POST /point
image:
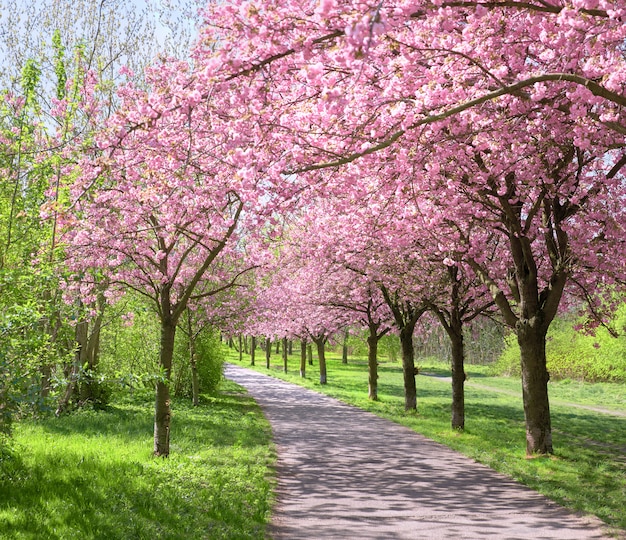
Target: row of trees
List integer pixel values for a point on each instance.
(319, 163)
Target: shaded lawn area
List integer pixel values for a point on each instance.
(91, 474)
(587, 473)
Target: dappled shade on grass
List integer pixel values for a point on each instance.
(91, 474)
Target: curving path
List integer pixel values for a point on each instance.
(344, 473)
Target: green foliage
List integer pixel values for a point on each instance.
(572, 354)
(389, 347)
(91, 474)
(59, 64)
(209, 361)
(509, 363)
(25, 350)
(129, 349)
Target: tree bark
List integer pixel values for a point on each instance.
(195, 382)
(268, 352)
(321, 356)
(408, 367)
(531, 336)
(303, 358)
(88, 387)
(310, 354)
(252, 350)
(162, 407)
(344, 348)
(372, 365)
(240, 348)
(285, 351)
(290, 346)
(278, 347)
(458, 377)
(81, 336)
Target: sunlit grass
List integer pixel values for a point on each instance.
(92, 475)
(588, 470)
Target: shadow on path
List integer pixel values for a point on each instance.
(344, 473)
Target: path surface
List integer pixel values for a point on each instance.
(344, 473)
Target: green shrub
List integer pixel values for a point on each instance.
(572, 354)
(129, 353)
(508, 363)
(209, 362)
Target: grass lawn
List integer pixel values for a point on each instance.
(587, 472)
(91, 474)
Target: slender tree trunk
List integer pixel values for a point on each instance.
(372, 365)
(51, 328)
(88, 387)
(458, 377)
(278, 347)
(240, 348)
(245, 345)
(195, 382)
(231, 343)
(408, 367)
(303, 358)
(252, 349)
(285, 351)
(268, 352)
(344, 348)
(162, 407)
(290, 346)
(81, 336)
(531, 336)
(309, 349)
(321, 356)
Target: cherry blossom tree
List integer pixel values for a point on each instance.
(356, 85)
(158, 208)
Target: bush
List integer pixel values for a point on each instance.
(575, 355)
(209, 362)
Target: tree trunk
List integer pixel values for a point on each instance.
(285, 351)
(195, 382)
(268, 352)
(321, 356)
(89, 386)
(344, 348)
(278, 347)
(162, 407)
(290, 346)
(531, 336)
(372, 365)
(309, 349)
(408, 367)
(303, 358)
(240, 348)
(252, 349)
(458, 378)
(80, 356)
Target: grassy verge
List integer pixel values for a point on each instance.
(91, 474)
(587, 473)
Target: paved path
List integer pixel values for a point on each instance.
(344, 473)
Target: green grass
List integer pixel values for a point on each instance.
(587, 472)
(91, 475)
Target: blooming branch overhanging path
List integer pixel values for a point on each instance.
(344, 473)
